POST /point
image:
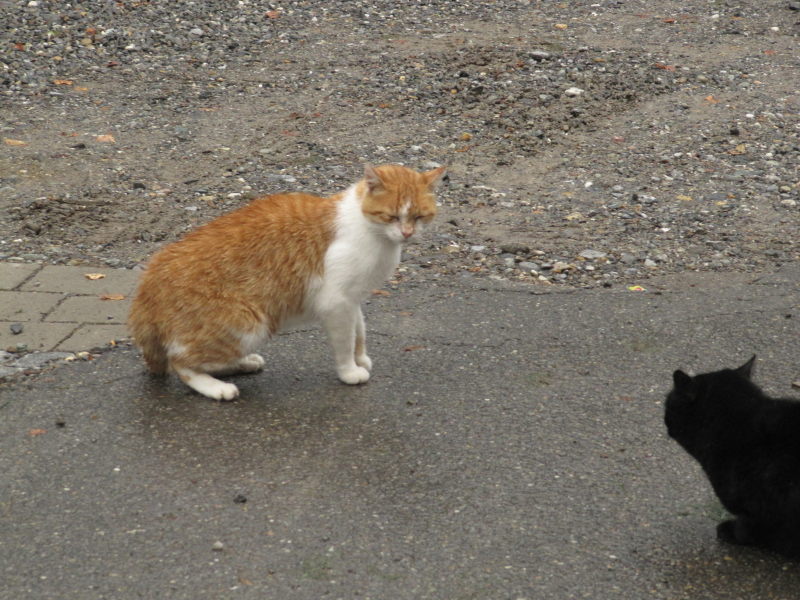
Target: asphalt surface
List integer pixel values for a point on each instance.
(510, 445)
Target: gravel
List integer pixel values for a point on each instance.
(587, 143)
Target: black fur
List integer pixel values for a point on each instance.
(749, 446)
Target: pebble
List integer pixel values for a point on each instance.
(37, 360)
(573, 92)
(16, 328)
(515, 248)
(592, 254)
(217, 546)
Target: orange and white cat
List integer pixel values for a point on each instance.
(206, 302)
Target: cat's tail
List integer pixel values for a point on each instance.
(148, 338)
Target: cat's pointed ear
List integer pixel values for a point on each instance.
(681, 380)
(746, 370)
(374, 181)
(434, 176)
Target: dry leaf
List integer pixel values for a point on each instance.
(19, 46)
(665, 67)
(381, 293)
(10, 142)
(35, 432)
(112, 297)
(62, 81)
(683, 198)
(108, 138)
(668, 20)
(94, 276)
(740, 149)
(710, 98)
(272, 14)
(560, 25)
(412, 348)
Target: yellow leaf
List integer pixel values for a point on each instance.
(62, 81)
(112, 297)
(740, 149)
(94, 276)
(560, 25)
(10, 142)
(108, 138)
(381, 293)
(683, 198)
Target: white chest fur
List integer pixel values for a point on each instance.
(360, 258)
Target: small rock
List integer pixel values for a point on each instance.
(539, 55)
(528, 267)
(592, 254)
(560, 267)
(240, 498)
(515, 248)
(16, 328)
(196, 31)
(217, 546)
(477, 248)
(573, 92)
(649, 263)
(37, 360)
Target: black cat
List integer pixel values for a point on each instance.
(749, 446)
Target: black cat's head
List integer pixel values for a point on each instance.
(694, 401)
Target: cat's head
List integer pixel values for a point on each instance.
(694, 401)
(398, 201)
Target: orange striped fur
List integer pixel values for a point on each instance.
(206, 302)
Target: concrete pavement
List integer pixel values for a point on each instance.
(60, 310)
(510, 445)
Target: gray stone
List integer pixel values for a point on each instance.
(528, 266)
(515, 248)
(37, 360)
(592, 254)
(7, 372)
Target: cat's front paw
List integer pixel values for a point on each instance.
(364, 361)
(353, 375)
(219, 390)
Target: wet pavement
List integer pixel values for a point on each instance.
(509, 445)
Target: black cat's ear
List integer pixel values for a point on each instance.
(746, 370)
(372, 178)
(681, 380)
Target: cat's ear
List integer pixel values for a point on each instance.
(746, 370)
(434, 176)
(681, 380)
(374, 181)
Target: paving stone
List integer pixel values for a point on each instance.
(90, 309)
(12, 274)
(36, 336)
(73, 280)
(26, 306)
(92, 336)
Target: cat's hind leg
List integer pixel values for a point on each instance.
(207, 385)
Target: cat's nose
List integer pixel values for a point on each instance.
(407, 234)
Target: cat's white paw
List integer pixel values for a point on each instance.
(353, 375)
(251, 363)
(221, 391)
(364, 361)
